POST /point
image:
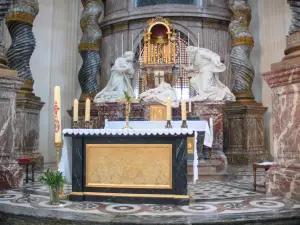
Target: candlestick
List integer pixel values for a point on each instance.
(183, 109)
(57, 114)
(168, 125)
(169, 109)
(190, 107)
(87, 110)
(75, 110)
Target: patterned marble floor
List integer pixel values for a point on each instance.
(228, 201)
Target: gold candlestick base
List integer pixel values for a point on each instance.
(75, 125)
(184, 124)
(88, 125)
(168, 125)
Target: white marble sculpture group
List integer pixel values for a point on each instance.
(204, 65)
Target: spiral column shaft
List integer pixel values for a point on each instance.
(19, 22)
(243, 42)
(89, 48)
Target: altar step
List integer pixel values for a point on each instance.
(208, 170)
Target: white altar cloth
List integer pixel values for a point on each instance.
(146, 128)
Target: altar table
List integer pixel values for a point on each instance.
(129, 165)
(77, 146)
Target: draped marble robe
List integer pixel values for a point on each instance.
(204, 63)
(119, 81)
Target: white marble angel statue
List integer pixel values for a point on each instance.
(160, 95)
(119, 81)
(204, 63)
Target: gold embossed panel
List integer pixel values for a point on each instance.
(158, 112)
(129, 165)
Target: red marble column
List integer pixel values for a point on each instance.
(283, 179)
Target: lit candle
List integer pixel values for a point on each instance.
(190, 107)
(75, 110)
(57, 114)
(87, 109)
(183, 109)
(169, 109)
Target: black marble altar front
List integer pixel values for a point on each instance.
(80, 192)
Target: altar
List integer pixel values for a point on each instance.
(139, 165)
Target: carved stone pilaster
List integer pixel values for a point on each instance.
(242, 45)
(89, 48)
(4, 6)
(10, 171)
(20, 22)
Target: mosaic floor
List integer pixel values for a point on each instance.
(229, 200)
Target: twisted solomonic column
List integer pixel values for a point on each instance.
(19, 22)
(4, 6)
(89, 48)
(295, 6)
(292, 51)
(242, 45)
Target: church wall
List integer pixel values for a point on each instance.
(54, 62)
(269, 26)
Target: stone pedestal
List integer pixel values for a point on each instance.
(10, 171)
(27, 126)
(245, 140)
(283, 179)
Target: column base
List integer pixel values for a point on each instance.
(244, 133)
(27, 126)
(284, 180)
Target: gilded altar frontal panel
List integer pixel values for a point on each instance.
(129, 166)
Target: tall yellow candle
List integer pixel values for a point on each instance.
(75, 110)
(169, 109)
(87, 109)
(183, 109)
(57, 114)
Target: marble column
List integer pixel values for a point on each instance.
(89, 48)
(244, 126)
(19, 22)
(283, 178)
